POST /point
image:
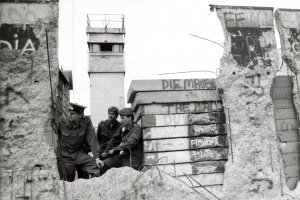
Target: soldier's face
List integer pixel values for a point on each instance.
(126, 121)
(112, 116)
(74, 116)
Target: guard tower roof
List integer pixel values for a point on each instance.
(105, 23)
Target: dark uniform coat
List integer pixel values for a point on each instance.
(70, 150)
(105, 132)
(128, 142)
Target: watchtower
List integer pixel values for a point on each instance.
(106, 40)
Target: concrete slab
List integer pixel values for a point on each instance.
(169, 85)
(193, 168)
(184, 131)
(184, 143)
(290, 147)
(288, 136)
(177, 108)
(186, 156)
(183, 119)
(286, 124)
(174, 97)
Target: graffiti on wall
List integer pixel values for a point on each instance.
(294, 40)
(247, 48)
(10, 91)
(193, 107)
(15, 37)
(184, 84)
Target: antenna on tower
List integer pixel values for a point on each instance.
(106, 22)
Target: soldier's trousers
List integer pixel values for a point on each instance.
(121, 160)
(84, 165)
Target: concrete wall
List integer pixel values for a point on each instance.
(28, 164)
(107, 89)
(288, 25)
(109, 38)
(183, 129)
(248, 69)
(106, 62)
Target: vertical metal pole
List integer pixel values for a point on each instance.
(24, 185)
(12, 185)
(280, 171)
(49, 67)
(230, 139)
(271, 157)
(31, 185)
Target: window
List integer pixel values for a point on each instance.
(106, 47)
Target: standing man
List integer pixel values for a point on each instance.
(126, 144)
(106, 129)
(73, 134)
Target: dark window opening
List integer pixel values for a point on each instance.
(106, 47)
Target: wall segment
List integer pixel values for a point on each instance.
(28, 164)
(248, 67)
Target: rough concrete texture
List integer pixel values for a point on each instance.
(247, 70)
(288, 26)
(128, 184)
(28, 164)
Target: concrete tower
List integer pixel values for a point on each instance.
(105, 38)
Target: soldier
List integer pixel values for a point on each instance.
(106, 129)
(126, 144)
(73, 134)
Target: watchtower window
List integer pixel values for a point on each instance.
(106, 47)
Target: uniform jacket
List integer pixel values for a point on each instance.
(73, 138)
(105, 132)
(125, 139)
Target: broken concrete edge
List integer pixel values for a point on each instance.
(240, 81)
(28, 105)
(286, 22)
(152, 85)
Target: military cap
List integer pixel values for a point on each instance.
(76, 108)
(125, 112)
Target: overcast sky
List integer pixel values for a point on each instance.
(157, 38)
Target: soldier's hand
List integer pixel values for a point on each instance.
(111, 152)
(99, 163)
(104, 154)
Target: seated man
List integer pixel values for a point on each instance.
(126, 144)
(73, 134)
(106, 129)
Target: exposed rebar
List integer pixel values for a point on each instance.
(230, 138)
(203, 187)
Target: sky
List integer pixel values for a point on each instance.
(157, 39)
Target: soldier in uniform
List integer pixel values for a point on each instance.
(73, 134)
(106, 129)
(126, 144)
